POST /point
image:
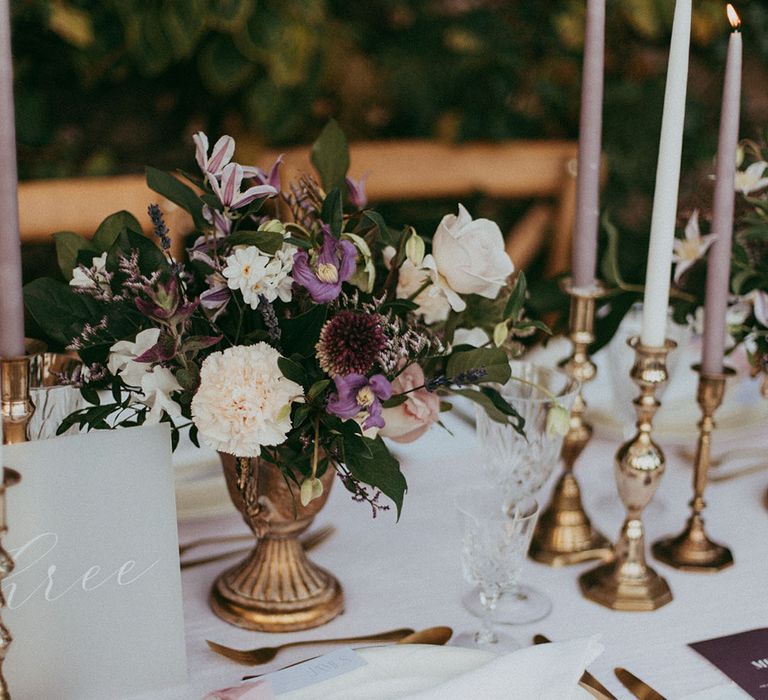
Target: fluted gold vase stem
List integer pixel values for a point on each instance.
(564, 534)
(692, 550)
(628, 583)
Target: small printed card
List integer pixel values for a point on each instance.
(94, 603)
(743, 657)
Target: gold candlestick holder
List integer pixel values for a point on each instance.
(692, 550)
(628, 583)
(16, 406)
(564, 534)
(10, 477)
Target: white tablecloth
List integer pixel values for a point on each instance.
(408, 573)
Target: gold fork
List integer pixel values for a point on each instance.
(309, 542)
(263, 655)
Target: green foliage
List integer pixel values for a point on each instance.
(330, 156)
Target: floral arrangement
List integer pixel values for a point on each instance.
(302, 329)
(747, 315)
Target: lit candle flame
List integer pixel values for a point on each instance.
(733, 16)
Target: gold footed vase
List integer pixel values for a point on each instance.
(628, 583)
(564, 534)
(692, 550)
(276, 588)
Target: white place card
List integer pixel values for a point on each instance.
(323, 668)
(94, 604)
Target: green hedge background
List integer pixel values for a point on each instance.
(107, 87)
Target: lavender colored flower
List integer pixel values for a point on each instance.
(158, 225)
(228, 192)
(272, 178)
(357, 394)
(217, 296)
(323, 273)
(356, 191)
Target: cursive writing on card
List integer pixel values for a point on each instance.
(35, 558)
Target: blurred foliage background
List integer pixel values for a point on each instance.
(109, 86)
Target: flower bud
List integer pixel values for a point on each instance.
(558, 421)
(415, 249)
(273, 226)
(311, 488)
(500, 334)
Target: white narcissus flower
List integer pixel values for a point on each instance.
(94, 277)
(758, 300)
(257, 275)
(469, 255)
(694, 246)
(244, 400)
(751, 180)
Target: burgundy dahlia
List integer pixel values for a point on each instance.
(350, 343)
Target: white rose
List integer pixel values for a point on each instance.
(470, 254)
(470, 336)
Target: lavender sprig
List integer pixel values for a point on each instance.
(159, 228)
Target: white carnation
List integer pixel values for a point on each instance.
(244, 400)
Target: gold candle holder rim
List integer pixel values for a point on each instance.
(726, 374)
(637, 345)
(596, 290)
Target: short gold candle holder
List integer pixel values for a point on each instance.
(564, 534)
(10, 477)
(692, 550)
(16, 406)
(628, 583)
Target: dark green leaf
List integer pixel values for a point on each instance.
(384, 234)
(332, 212)
(493, 360)
(301, 333)
(318, 388)
(330, 156)
(396, 400)
(167, 185)
(267, 241)
(111, 227)
(291, 370)
(151, 258)
(68, 245)
(516, 300)
(382, 471)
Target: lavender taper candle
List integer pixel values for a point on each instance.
(584, 254)
(11, 302)
(719, 259)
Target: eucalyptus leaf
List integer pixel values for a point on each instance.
(112, 227)
(171, 188)
(68, 246)
(268, 241)
(291, 370)
(382, 471)
(516, 300)
(493, 360)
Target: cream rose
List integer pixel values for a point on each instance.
(411, 419)
(470, 255)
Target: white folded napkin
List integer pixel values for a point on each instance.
(728, 691)
(541, 672)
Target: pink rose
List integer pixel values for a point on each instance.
(410, 420)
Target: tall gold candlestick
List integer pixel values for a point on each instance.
(564, 534)
(628, 583)
(692, 550)
(10, 477)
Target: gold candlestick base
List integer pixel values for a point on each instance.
(692, 550)
(628, 583)
(564, 534)
(16, 407)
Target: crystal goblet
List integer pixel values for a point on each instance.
(519, 465)
(496, 534)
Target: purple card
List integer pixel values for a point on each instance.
(742, 657)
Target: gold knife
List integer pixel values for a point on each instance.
(640, 689)
(587, 681)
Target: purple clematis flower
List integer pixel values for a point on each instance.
(323, 274)
(357, 394)
(222, 153)
(217, 296)
(229, 193)
(272, 178)
(356, 191)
